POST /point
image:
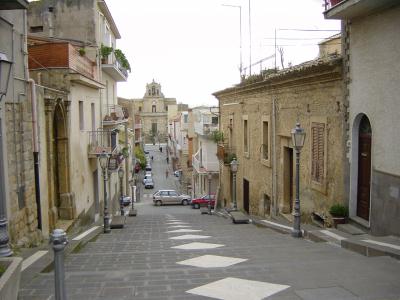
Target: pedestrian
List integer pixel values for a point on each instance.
(167, 159)
(152, 158)
(166, 173)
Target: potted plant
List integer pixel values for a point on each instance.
(120, 56)
(105, 51)
(217, 136)
(125, 152)
(82, 51)
(339, 213)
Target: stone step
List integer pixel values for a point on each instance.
(239, 218)
(117, 222)
(350, 229)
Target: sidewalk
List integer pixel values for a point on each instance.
(348, 237)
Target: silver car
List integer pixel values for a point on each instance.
(170, 197)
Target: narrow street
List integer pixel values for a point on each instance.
(174, 252)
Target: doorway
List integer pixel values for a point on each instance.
(246, 192)
(287, 180)
(364, 168)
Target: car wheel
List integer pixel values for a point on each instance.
(158, 203)
(184, 202)
(196, 206)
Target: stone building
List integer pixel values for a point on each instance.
(153, 111)
(257, 117)
(19, 204)
(82, 118)
(370, 31)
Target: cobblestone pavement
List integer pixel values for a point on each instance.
(248, 262)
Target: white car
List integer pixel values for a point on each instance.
(147, 176)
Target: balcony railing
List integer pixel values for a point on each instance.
(205, 129)
(61, 55)
(204, 166)
(113, 67)
(331, 3)
(115, 114)
(99, 141)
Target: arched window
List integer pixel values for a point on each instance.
(153, 108)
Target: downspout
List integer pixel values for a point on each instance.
(274, 164)
(35, 149)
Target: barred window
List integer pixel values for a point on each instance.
(317, 151)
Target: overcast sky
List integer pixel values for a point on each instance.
(192, 47)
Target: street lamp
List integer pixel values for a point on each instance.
(209, 176)
(121, 198)
(5, 70)
(234, 168)
(104, 160)
(132, 212)
(298, 137)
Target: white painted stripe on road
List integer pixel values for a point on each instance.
(333, 235)
(31, 259)
(177, 223)
(277, 224)
(184, 230)
(382, 244)
(82, 235)
(212, 261)
(198, 246)
(189, 237)
(179, 226)
(231, 288)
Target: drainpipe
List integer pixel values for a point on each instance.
(35, 149)
(274, 164)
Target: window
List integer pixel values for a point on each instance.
(265, 140)
(317, 151)
(93, 111)
(140, 108)
(245, 136)
(173, 194)
(81, 120)
(214, 120)
(153, 108)
(35, 29)
(185, 118)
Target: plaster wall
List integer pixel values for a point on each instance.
(374, 91)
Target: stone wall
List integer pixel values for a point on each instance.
(305, 94)
(23, 210)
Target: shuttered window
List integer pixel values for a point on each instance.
(317, 151)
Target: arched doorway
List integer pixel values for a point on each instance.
(364, 168)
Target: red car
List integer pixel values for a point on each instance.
(203, 201)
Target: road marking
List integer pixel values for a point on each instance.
(212, 261)
(177, 223)
(333, 235)
(184, 230)
(238, 289)
(382, 244)
(180, 226)
(82, 235)
(197, 246)
(189, 237)
(31, 259)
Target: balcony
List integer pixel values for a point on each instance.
(64, 55)
(204, 166)
(205, 129)
(112, 66)
(348, 9)
(226, 153)
(115, 115)
(99, 141)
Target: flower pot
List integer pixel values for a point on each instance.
(339, 220)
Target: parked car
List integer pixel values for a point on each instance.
(177, 173)
(170, 197)
(148, 167)
(203, 201)
(148, 183)
(146, 151)
(146, 176)
(126, 200)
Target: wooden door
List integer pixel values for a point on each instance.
(364, 169)
(246, 195)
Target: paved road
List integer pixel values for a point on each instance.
(248, 262)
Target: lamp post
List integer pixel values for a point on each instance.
(234, 168)
(5, 71)
(298, 137)
(121, 198)
(104, 160)
(209, 176)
